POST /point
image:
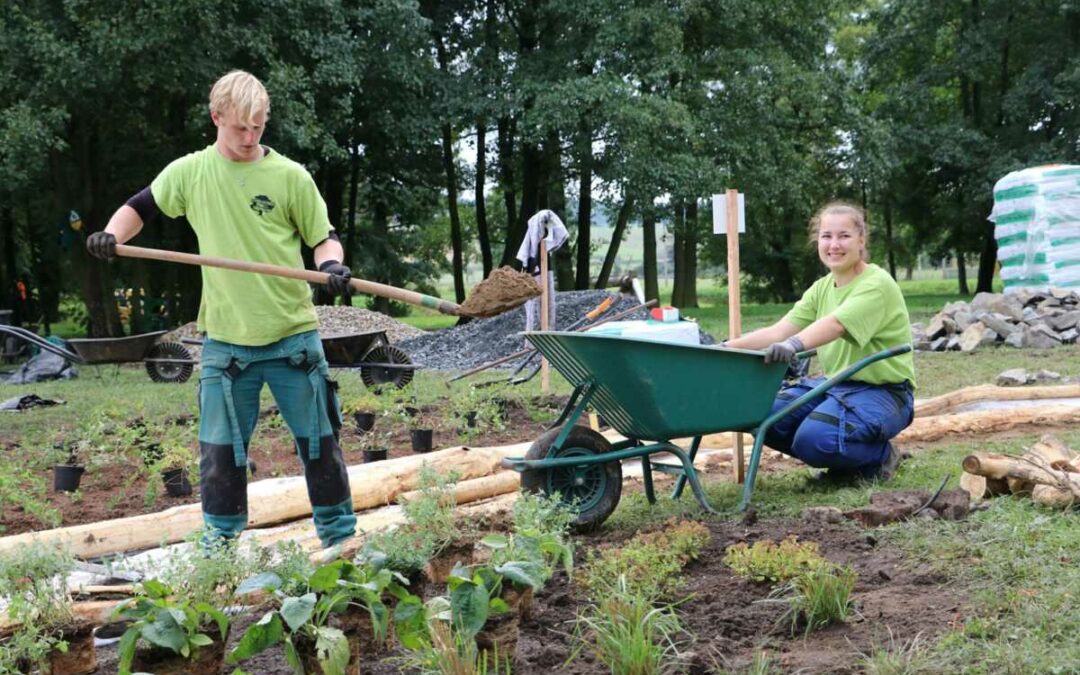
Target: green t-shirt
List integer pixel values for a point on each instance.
(872, 311)
(255, 211)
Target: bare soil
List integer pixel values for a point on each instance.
(898, 600)
(117, 491)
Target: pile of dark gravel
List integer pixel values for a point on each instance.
(485, 340)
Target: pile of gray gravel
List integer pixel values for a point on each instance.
(484, 340)
(342, 320)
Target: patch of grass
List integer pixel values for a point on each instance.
(819, 597)
(628, 634)
(898, 657)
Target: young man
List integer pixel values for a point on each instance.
(246, 201)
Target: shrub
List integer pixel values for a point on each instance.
(773, 562)
(649, 565)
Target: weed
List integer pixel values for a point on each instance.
(629, 635)
(542, 513)
(818, 598)
(451, 653)
(897, 657)
(649, 565)
(773, 562)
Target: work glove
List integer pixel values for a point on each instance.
(784, 352)
(101, 245)
(338, 281)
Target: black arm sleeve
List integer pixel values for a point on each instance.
(144, 204)
(333, 235)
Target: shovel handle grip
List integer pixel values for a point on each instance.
(357, 285)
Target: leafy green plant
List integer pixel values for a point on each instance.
(649, 565)
(544, 550)
(476, 591)
(629, 635)
(774, 562)
(304, 616)
(430, 526)
(33, 584)
(819, 597)
(162, 618)
(538, 512)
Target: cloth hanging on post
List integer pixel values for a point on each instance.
(547, 226)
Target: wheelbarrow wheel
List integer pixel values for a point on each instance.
(592, 491)
(168, 372)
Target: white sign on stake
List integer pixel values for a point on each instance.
(719, 214)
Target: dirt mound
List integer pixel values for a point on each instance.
(503, 290)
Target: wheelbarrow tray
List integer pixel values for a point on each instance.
(659, 391)
(115, 350)
(349, 349)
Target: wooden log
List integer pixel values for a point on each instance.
(1054, 497)
(993, 465)
(940, 405)
(988, 422)
(980, 487)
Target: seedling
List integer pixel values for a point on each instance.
(773, 562)
(818, 598)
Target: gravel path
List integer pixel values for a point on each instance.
(484, 340)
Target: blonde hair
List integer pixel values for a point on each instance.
(858, 218)
(240, 91)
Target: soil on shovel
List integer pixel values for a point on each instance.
(897, 599)
(503, 290)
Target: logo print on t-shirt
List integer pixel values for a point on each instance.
(261, 205)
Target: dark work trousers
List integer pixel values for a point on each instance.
(848, 428)
(229, 387)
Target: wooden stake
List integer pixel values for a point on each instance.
(734, 307)
(545, 369)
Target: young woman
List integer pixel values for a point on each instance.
(854, 311)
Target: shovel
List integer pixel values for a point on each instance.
(357, 285)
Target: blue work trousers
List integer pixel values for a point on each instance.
(847, 428)
(232, 380)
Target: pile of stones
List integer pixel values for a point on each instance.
(1035, 319)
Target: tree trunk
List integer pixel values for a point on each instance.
(584, 219)
(961, 273)
(456, 246)
(506, 132)
(987, 261)
(648, 230)
(531, 170)
(380, 238)
(616, 240)
(481, 208)
(690, 255)
(889, 254)
(553, 193)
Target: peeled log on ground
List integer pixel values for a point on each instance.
(988, 422)
(989, 392)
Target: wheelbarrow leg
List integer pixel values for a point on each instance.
(691, 476)
(751, 471)
(680, 482)
(646, 476)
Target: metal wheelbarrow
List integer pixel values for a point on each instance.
(651, 393)
(164, 361)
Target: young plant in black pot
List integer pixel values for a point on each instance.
(68, 475)
(178, 461)
(375, 445)
(421, 432)
(364, 409)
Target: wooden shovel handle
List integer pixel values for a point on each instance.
(357, 285)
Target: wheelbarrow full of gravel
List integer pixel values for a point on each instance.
(652, 393)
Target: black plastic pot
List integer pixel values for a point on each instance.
(375, 455)
(365, 421)
(470, 419)
(411, 411)
(421, 439)
(151, 454)
(66, 477)
(177, 483)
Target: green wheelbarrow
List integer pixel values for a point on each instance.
(651, 393)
